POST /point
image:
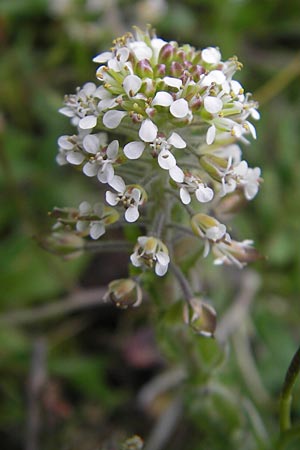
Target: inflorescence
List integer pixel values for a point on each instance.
(161, 127)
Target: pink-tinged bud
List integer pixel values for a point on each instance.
(166, 53)
(181, 55)
(124, 292)
(144, 69)
(197, 71)
(176, 69)
(63, 243)
(201, 317)
(195, 103)
(160, 70)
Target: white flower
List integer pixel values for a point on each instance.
(194, 185)
(101, 161)
(94, 227)
(166, 159)
(130, 196)
(70, 149)
(248, 178)
(150, 251)
(82, 106)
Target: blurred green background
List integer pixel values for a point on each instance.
(95, 361)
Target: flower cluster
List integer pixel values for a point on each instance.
(179, 116)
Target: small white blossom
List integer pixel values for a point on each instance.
(95, 227)
(151, 251)
(193, 185)
(131, 197)
(100, 160)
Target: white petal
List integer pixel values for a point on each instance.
(91, 143)
(148, 131)
(241, 169)
(112, 119)
(87, 122)
(132, 85)
(252, 129)
(122, 54)
(216, 232)
(135, 260)
(166, 160)
(162, 99)
(211, 55)
(185, 196)
(131, 214)
(179, 108)
(66, 111)
(255, 114)
(111, 198)
(118, 184)
(89, 88)
(103, 57)
(236, 87)
(112, 149)
(136, 195)
(65, 143)
(157, 44)
(107, 174)
(213, 105)
(97, 230)
(176, 141)
(133, 150)
(173, 82)
(75, 158)
(163, 258)
(176, 174)
(160, 270)
(90, 169)
(204, 194)
(210, 135)
(82, 225)
(107, 103)
(215, 76)
(84, 208)
(140, 50)
(250, 190)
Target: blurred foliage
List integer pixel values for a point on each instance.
(99, 359)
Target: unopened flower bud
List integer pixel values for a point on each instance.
(176, 69)
(231, 203)
(166, 53)
(144, 69)
(125, 292)
(214, 166)
(200, 316)
(160, 70)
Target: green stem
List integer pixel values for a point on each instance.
(183, 282)
(108, 246)
(286, 394)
